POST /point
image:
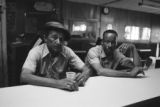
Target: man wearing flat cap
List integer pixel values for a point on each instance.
(47, 64)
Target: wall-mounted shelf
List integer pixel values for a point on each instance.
(37, 13)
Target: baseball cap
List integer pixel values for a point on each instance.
(52, 25)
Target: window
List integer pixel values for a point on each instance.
(137, 33)
(109, 26)
(81, 27)
(146, 33)
(132, 33)
(78, 27)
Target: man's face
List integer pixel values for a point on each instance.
(109, 43)
(54, 42)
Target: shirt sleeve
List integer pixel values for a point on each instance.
(118, 55)
(123, 60)
(92, 56)
(31, 60)
(75, 61)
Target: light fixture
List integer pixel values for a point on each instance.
(150, 6)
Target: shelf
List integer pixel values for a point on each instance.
(89, 20)
(144, 50)
(39, 13)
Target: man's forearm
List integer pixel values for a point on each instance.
(41, 81)
(86, 70)
(113, 73)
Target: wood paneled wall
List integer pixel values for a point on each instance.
(81, 12)
(3, 47)
(120, 18)
(155, 25)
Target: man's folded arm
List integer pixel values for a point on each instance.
(28, 76)
(101, 71)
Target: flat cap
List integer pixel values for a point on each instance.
(52, 25)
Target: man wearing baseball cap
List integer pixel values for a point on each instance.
(47, 64)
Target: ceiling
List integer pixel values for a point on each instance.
(127, 4)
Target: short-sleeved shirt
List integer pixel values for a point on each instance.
(39, 61)
(97, 55)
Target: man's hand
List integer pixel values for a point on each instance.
(136, 71)
(127, 62)
(81, 78)
(68, 84)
